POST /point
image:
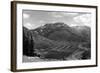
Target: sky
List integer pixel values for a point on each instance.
(35, 18)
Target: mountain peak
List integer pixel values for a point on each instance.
(57, 24)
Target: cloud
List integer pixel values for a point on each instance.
(69, 14)
(41, 21)
(56, 14)
(28, 25)
(84, 19)
(63, 14)
(26, 15)
(73, 24)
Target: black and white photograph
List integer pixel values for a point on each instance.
(47, 36)
(52, 36)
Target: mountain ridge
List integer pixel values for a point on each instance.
(52, 40)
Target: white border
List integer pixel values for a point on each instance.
(34, 65)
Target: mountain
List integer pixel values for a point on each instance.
(49, 28)
(28, 42)
(56, 40)
(83, 31)
(59, 32)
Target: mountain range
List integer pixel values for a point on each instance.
(54, 31)
(57, 38)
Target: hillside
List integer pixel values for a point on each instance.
(57, 41)
(54, 31)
